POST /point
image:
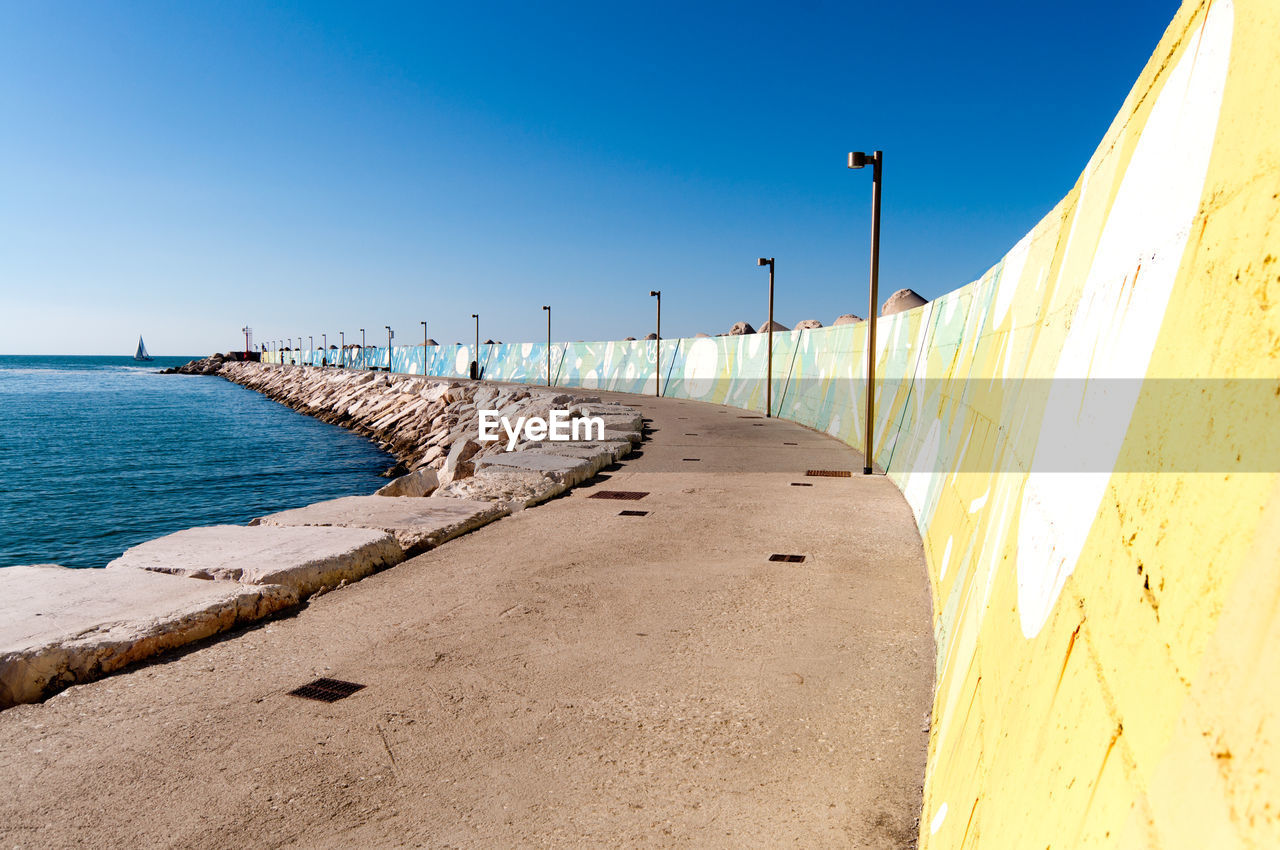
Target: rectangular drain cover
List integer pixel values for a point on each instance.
(800, 484)
(751, 417)
(789, 559)
(829, 473)
(627, 495)
(694, 459)
(326, 690)
(633, 513)
(790, 444)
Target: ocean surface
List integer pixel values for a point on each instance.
(100, 453)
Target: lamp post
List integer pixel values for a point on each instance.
(859, 159)
(424, 346)
(390, 335)
(311, 347)
(768, 381)
(657, 346)
(363, 361)
(475, 364)
(548, 309)
(342, 349)
(324, 346)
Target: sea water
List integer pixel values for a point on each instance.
(101, 453)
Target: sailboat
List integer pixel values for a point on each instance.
(141, 353)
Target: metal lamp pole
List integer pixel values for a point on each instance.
(424, 346)
(768, 381)
(657, 346)
(342, 349)
(476, 350)
(311, 348)
(324, 345)
(859, 159)
(390, 334)
(362, 357)
(548, 309)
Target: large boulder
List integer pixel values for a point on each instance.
(458, 464)
(650, 336)
(902, 300)
(776, 327)
(740, 328)
(847, 319)
(808, 324)
(421, 482)
(701, 335)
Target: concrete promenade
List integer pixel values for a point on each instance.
(564, 676)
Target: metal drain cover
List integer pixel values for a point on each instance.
(633, 513)
(626, 495)
(326, 690)
(800, 484)
(829, 473)
(788, 559)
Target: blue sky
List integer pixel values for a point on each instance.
(182, 169)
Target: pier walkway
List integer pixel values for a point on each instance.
(566, 676)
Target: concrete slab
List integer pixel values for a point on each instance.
(561, 469)
(417, 523)
(515, 488)
(303, 558)
(615, 449)
(60, 626)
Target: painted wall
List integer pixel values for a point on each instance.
(1087, 436)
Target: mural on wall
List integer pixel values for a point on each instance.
(1100, 602)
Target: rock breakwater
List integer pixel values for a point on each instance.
(433, 423)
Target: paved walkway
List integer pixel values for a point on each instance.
(566, 676)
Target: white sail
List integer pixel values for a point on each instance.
(141, 353)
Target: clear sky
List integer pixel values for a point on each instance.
(182, 169)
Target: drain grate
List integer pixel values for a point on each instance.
(690, 435)
(800, 484)
(751, 417)
(326, 690)
(787, 559)
(694, 459)
(633, 513)
(829, 473)
(626, 495)
(757, 424)
(790, 444)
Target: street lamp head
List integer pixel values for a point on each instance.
(764, 261)
(655, 291)
(546, 307)
(423, 323)
(475, 315)
(857, 159)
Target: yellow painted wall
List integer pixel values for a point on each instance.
(1106, 666)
